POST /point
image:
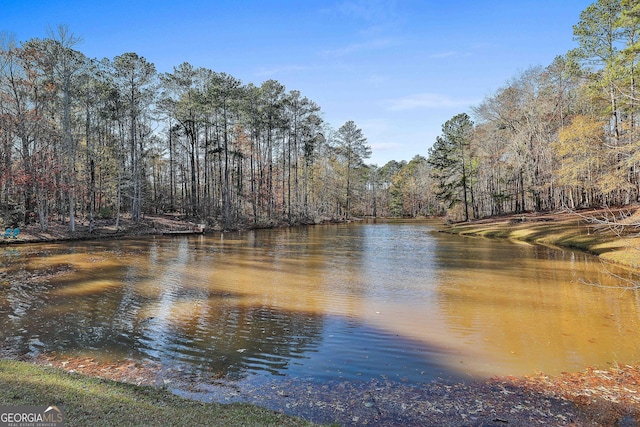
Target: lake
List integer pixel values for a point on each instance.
(394, 300)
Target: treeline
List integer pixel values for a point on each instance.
(82, 138)
(564, 135)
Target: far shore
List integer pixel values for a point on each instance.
(611, 234)
(149, 225)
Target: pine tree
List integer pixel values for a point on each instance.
(449, 161)
(352, 146)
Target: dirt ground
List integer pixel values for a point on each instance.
(105, 228)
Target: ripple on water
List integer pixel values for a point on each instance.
(348, 302)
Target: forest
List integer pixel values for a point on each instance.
(82, 138)
(561, 136)
(87, 139)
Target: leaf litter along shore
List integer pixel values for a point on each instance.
(593, 397)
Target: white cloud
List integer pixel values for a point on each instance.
(284, 69)
(447, 54)
(428, 100)
(359, 47)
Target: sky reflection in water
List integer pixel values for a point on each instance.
(392, 300)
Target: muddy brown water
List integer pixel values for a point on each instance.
(392, 301)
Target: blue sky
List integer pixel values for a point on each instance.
(399, 69)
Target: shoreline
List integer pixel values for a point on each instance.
(591, 397)
(600, 232)
(150, 225)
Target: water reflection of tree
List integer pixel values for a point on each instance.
(524, 305)
(625, 226)
(24, 294)
(17, 303)
(221, 335)
(237, 339)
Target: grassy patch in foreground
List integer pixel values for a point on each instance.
(97, 402)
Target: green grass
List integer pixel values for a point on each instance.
(96, 402)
